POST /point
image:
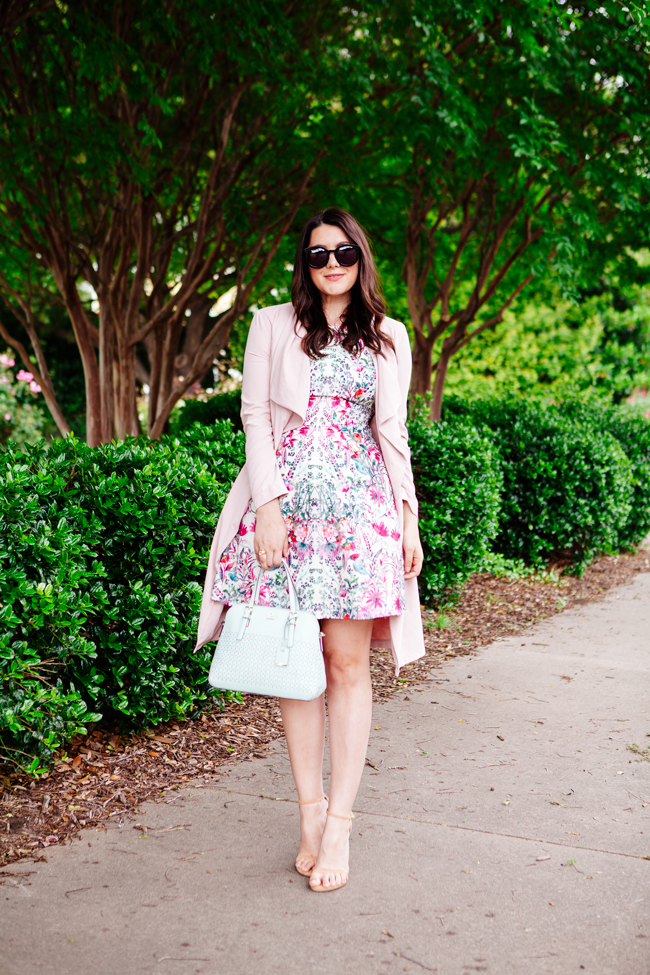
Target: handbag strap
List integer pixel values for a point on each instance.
(282, 656)
(293, 595)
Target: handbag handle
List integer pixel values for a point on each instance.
(293, 595)
(282, 658)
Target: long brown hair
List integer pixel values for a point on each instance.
(365, 312)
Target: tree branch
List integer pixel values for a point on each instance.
(41, 376)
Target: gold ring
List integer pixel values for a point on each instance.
(261, 552)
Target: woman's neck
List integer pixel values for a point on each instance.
(334, 307)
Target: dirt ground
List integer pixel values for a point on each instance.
(104, 775)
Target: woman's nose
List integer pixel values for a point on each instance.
(332, 261)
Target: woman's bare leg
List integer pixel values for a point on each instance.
(349, 703)
(304, 730)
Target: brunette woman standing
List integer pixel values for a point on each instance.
(328, 485)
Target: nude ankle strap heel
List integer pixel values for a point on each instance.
(310, 802)
(345, 873)
(308, 856)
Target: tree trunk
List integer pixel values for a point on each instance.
(126, 412)
(94, 433)
(439, 381)
(203, 360)
(106, 369)
(165, 365)
(422, 368)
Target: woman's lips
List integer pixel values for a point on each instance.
(334, 277)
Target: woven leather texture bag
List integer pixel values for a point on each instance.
(269, 651)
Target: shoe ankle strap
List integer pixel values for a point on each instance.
(337, 816)
(310, 802)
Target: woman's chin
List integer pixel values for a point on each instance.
(335, 289)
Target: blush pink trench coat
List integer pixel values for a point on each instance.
(275, 394)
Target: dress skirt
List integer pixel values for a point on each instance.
(345, 546)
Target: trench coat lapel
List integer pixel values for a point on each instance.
(387, 389)
(388, 402)
(289, 385)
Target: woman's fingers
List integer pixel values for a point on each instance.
(270, 535)
(413, 557)
(269, 551)
(408, 558)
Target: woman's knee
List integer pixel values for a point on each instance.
(345, 670)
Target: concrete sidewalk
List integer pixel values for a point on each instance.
(503, 826)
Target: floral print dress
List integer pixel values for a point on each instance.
(345, 548)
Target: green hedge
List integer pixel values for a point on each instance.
(631, 429)
(103, 552)
(223, 406)
(458, 481)
(568, 485)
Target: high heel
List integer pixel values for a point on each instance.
(308, 856)
(320, 888)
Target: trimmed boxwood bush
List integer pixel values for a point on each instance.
(458, 482)
(103, 552)
(631, 429)
(223, 406)
(568, 485)
(632, 432)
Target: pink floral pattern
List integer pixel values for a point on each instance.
(345, 549)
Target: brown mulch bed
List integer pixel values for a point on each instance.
(105, 776)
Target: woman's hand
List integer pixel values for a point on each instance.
(413, 554)
(271, 541)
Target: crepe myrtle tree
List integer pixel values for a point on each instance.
(152, 158)
(514, 135)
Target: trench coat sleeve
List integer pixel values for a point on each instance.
(403, 355)
(261, 464)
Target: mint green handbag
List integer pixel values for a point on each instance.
(269, 651)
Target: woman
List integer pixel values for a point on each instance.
(327, 484)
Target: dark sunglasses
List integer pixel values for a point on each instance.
(346, 255)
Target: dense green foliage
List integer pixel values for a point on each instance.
(631, 429)
(103, 553)
(496, 166)
(223, 406)
(458, 481)
(549, 347)
(568, 484)
(175, 143)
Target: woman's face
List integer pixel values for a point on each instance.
(333, 279)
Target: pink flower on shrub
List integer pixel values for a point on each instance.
(25, 376)
(35, 388)
(6, 361)
(7, 416)
(647, 415)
